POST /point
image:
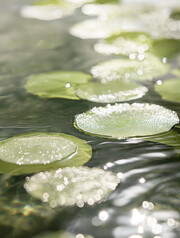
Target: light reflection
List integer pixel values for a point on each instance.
(142, 180)
(135, 236)
(171, 222)
(140, 229)
(103, 215)
(156, 229)
(79, 236)
(96, 221)
(137, 217)
(148, 205)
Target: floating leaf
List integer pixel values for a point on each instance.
(176, 72)
(117, 91)
(34, 152)
(164, 3)
(125, 43)
(60, 84)
(175, 14)
(125, 120)
(112, 10)
(146, 68)
(50, 9)
(60, 234)
(169, 90)
(72, 186)
(166, 47)
(96, 29)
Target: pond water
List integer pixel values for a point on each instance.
(146, 203)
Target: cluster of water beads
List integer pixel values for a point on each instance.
(126, 120)
(37, 150)
(72, 186)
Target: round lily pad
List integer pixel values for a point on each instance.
(112, 10)
(72, 186)
(125, 43)
(169, 90)
(116, 91)
(146, 67)
(34, 152)
(126, 120)
(48, 10)
(60, 84)
(97, 29)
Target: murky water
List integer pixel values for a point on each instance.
(146, 203)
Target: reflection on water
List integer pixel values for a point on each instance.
(147, 202)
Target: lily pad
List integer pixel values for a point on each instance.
(166, 47)
(59, 234)
(72, 186)
(97, 29)
(169, 90)
(176, 72)
(146, 67)
(49, 9)
(34, 152)
(117, 91)
(113, 10)
(125, 43)
(126, 120)
(60, 84)
(175, 14)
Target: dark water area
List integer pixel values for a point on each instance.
(146, 203)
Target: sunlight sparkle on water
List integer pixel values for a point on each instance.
(103, 215)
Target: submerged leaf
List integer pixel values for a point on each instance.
(126, 43)
(145, 68)
(125, 120)
(117, 91)
(60, 84)
(34, 152)
(169, 90)
(72, 186)
(22, 215)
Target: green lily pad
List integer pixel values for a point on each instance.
(72, 186)
(125, 43)
(97, 29)
(126, 120)
(59, 234)
(60, 84)
(117, 91)
(176, 72)
(113, 10)
(49, 10)
(146, 68)
(175, 14)
(34, 152)
(169, 90)
(166, 47)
